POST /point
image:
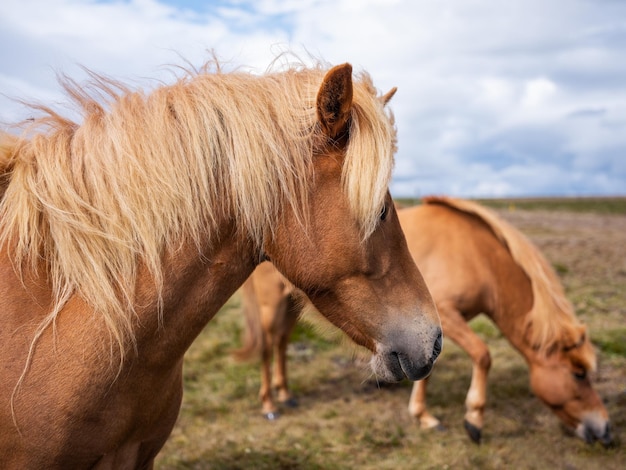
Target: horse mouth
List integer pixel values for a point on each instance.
(394, 367)
(590, 434)
(413, 372)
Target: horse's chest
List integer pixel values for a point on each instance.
(75, 420)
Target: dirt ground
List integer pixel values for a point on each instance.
(346, 420)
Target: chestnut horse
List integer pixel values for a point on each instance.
(473, 263)
(122, 236)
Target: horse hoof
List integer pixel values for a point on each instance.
(291, 403)
(473, 432)
(440, 427)
(272, 416)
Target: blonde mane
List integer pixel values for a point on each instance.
(551, 315)
(144, 171)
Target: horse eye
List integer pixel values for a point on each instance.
(580, 374)
(383, 212)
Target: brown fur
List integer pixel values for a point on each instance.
(474, 263)
(122, 236)
(271, 307)
(477, 263)
(551, 319)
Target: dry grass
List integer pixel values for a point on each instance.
(346, 420)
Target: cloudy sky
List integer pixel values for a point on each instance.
(495, 98)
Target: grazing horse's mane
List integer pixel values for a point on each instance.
(551, 320)
(144, 171)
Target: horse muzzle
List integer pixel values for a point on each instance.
(591, 430)
(394, 363)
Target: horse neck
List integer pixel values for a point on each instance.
(513, 302)
(195, 286)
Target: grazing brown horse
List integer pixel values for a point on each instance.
(122, 236)
(473, 263)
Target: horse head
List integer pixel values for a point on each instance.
(561, 378)
(349, 255)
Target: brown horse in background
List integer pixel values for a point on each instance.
(122, 236)
(272, 307)
(473, 263)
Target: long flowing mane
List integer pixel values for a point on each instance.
(552, 315)
(143, 171)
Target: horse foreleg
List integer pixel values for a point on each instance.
(417, 406)
(268, 408)
(292, 313)
(477, 395)
(456, 329)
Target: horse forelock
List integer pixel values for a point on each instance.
(370, 155)
(144, 170)
(551, 318)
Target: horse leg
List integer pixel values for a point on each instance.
(417, 406)
(291, 315)
(268, 408)
(477, 393)
(456, 328)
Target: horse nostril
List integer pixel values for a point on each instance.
(437, 346)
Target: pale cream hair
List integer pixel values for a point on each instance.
(143, 171)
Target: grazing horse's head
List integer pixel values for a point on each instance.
(562, 359)
(561, 379)
(348, 253)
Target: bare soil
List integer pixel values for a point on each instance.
(347, 420)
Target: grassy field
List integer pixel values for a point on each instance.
(596, 205)
(346, 420)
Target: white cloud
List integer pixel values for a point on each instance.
(537, 93)
(489, 92)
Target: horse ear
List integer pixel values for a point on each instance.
(334, 100)
(386, 98)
